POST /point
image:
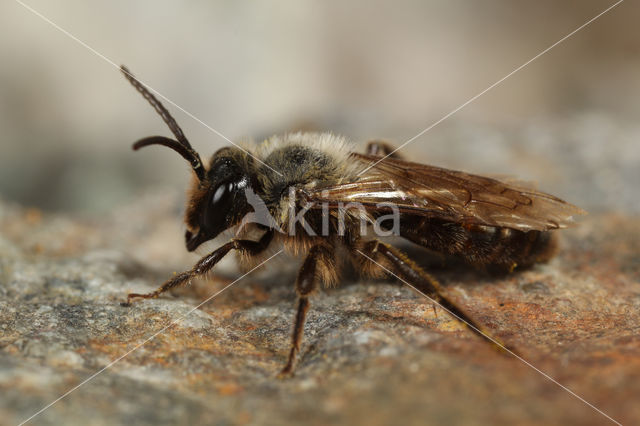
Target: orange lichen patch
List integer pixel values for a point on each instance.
(38, 248)
(33, 216)
(451, 325)
(229, 388)
(221, 312)
(201, 382)
(401, 308)
(11, 349)
(531, 312)
(187, 339)
(247, 295)
(258, 294)
(110, 348)
(243, 418)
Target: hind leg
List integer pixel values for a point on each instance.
(382, 149)
(376, 257)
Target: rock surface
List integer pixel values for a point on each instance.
(374, 352)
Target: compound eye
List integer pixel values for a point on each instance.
(220, 193)
(216, 212)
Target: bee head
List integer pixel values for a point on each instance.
(219, 201)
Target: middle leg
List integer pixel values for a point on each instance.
(318, 265)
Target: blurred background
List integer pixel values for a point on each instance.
(366, 69)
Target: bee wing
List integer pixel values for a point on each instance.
(429, 191)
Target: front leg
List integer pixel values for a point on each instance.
(319, 261)
(205, 264)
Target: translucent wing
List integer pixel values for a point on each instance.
(429, 191)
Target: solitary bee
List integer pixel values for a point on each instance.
(304, 185)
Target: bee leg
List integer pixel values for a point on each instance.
(205, 264)
(306, 283)
(381, 149)
(399, 264)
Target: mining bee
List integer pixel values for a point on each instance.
(305, 186)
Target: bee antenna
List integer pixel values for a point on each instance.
(181, 145)
(185, 152)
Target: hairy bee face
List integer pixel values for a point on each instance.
(219, 202)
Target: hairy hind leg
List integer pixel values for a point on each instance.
(377, 255)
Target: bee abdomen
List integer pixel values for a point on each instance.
(505, 247)
(485, 246)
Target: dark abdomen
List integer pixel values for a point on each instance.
(480, 245)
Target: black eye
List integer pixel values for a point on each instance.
(219, 205)
(219, 194)
(222, 193)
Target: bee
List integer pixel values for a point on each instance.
(485, 221)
